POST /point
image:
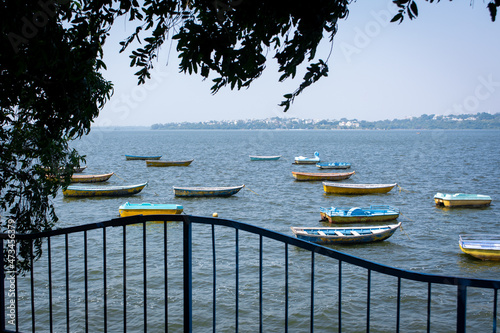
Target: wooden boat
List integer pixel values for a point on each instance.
(128, 209)
(307, 160)
(335, 188)
(206, 191)
(484, 247)
(79, 169)
(462, 200)
(156, 163)
(91, 178)
(101, 191)
(353, 235)
(359, 214)
(138, 157)
(333, 165)
(321, 175)
(264, 158)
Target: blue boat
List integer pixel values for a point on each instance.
(264, 158)
(145, 208)
(142, 157)
(358, 214)
(307, 160)
(333, 165)
(354, 235)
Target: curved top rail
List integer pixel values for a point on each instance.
(323, 250)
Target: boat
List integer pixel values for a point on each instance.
(264, 158)
(206, 191)
(138, 157)
(359, 214)
(462, 200)
(335, 188)
(321, 175)
(79, 169)
(157, 163)
(307, 160)
(353, 235)
(484, 247)
(145, 208)
(102, 191)
(333, 165)
(91, 178)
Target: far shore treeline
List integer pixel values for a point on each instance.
(464, 121)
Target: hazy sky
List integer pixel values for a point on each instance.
(444, 62)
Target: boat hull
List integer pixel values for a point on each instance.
(356, 214)
(102, 191)
(156, 163)
(265, 158)
(128, 209)
(330, 188)
(135, 157)
(305, 161)
(328, 236)
(315, 176)
(484, 247)
(206, 191)
(91, 178)
(462, 200)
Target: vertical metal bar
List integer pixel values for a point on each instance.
(214, 273)
(188, 271)
(398, 309)
(66, 246)
(32, 283)
(429, 294)
(105, 282)
(461, 308)
(261, 322)
(368, 294)
(495, 310)
(286, 287)
(144, 278)
(49, 264)
(340, 296)
(86, 266)
(124, 250)
(2, 288)
(165, 268)
(237, 259)
(311, 329)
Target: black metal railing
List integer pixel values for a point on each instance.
(88, 281)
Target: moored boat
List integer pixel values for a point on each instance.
(462, 200)
(307, 160)
(143, 157)
(79, 169)
(359, 214)
(335, 188)
(264, 158)
(102, 191)
(311, 176)
(333, 165)
(353, 235)
(91, 178)
(158, 163)
(206, 191)
(484, 247)
(129, 209)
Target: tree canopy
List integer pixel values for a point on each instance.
(52, 87)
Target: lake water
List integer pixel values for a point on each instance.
(422, 163)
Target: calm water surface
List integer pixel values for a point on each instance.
(422, 163)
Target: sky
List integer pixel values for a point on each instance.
(445, 62)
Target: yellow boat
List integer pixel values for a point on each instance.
(484, 247)
(462, 200)
(334, 188)
(128, 209)
(91, 178)
(150, 163)
(311, 176)
(102, 191)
